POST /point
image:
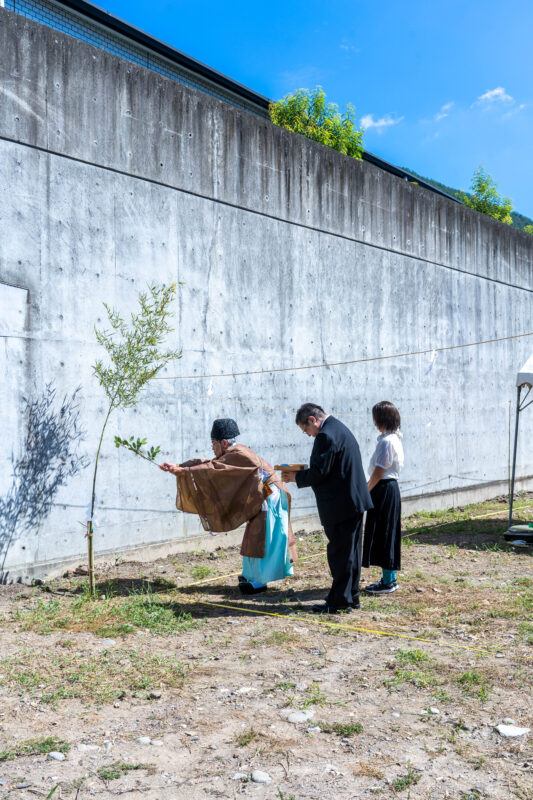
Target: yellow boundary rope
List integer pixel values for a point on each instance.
(337, 625)
(315, 555)
(351, 627)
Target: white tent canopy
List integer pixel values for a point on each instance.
(525, 376)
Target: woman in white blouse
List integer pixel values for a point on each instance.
(382, 542)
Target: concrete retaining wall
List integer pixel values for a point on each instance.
(290, 254)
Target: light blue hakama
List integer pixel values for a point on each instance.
(276, 563)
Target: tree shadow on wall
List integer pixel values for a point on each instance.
(50, 458)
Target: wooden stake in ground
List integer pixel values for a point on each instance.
(90, 559)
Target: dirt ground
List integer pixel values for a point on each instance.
(172, 685)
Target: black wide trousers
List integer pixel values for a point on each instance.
(344, 559)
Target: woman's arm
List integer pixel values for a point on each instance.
(376, 476)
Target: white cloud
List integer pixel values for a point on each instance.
(348, 48)
(443, 112)
(514, 111)
(498, 95)
(381, 124)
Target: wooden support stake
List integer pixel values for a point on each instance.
(90, 565)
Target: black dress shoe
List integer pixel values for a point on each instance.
(325, 608)
(247, 587)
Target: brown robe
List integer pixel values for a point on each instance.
(228, 491)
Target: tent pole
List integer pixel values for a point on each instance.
(511, 494)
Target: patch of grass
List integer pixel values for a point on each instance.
(473, 683)
(419, 678)
(245, 738)
(477, 762)
(315, 696)
(526, 631)
(405, 781)
(113, 616)
(281, 637)
(99, 678)
(340, 729)
(200, 571)
(32, 747)
(412, 656)
(117, 769)
(442, 696)
(285, 686)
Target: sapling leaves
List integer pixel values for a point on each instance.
(136, 445)
(134, 356)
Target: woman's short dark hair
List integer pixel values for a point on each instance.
(309, 410)
(386, 416)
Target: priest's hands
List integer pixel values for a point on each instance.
(175, 469)
(288, 477)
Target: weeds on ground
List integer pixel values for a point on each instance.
(473, 684)
(315, 696)
(285, 796)
(32, 747)
(97, 679)
(112, 616)
(281, 637)
(200, 571)
(526, 631)
(285, 686)
(418, 677)
(412, 656)
(340, 729)
(368, 769)
(119, 768)
(405, 781)
(246, 737)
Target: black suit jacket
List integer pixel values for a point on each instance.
(336, 474)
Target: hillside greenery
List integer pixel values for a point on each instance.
(518, 220)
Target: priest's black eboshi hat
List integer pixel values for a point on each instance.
(224, 429)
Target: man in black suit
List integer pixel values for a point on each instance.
(337, 478)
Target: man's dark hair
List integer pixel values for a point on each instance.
(386, 416)
(309, 410)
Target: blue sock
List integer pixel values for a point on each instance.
(389, 576)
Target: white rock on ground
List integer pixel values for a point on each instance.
(239, 776)
(511, 730)
(55, 756)
(143, 740)
(260, 777)
(300, 716)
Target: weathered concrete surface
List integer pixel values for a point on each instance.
(290, 254)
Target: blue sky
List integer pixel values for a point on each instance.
(441, 87)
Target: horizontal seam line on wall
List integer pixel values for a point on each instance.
(229, 204)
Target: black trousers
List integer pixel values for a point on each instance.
(344, 559)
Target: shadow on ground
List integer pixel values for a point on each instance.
(470, 534)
